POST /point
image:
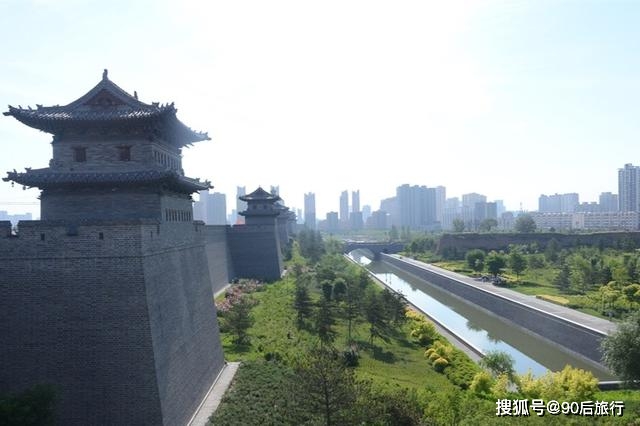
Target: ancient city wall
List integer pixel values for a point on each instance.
(501, 241)
(218, 256)
(255, 251)
(571, 336)
(119, 316)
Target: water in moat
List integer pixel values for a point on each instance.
(477, 327)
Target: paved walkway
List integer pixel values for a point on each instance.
(598, 324)
(212, 400)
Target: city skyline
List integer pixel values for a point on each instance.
(511, 100)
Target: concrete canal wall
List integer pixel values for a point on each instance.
(581, 340)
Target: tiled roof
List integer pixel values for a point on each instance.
(260, 195)
(43, 178)
(106, 103)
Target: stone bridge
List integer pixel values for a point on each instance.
(374, 247)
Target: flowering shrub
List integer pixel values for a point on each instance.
(235, 292)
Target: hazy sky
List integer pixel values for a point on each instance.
(510, 99)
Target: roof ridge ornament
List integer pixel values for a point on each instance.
(105, 74)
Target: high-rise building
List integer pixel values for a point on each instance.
(344, 208)
(241, 206)
(378, 220)
(629, 188)
(211, 208)
(355, 217)
(558, 203)
(355, 201)
(310, 210)
(390, 206)
(608, 202)
(441, 197)
(366, 213)
(332, 222)
(417, 206)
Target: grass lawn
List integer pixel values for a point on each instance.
(399, 362)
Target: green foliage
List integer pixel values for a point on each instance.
(536, 261)
(525, 224)
(439, 364)
(302, 302)
(517, 262)
(327, 290)
(570, 384)
(475, 259)
(325, 389)
(488, 224)
(552, 250)
(495, 263)
(32, 407)
(325, 322)
(310, 244)
(423, 332)
(481, 383)
(458, 225)
(237, 320)
(632, 293)
(461, 370)
(498, 362)
(422, 244)
(376, 316)
(259, 395)
(562, 280)
(622, 349)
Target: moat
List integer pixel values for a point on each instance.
(480, 329)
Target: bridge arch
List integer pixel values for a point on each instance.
(374, 247)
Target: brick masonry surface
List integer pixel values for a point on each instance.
(117, 315)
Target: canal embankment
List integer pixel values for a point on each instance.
(574, 331)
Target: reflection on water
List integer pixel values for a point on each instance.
(476, 326)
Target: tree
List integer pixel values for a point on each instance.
(475, 259)
(302, 303)
(324, 322)
(487, 224)
(495, 263)
(458, 225)
(525, 224)
(498, 362)
(551, 250)
(562, 280)
(393, 233)
(622, 349)
(374, 311)
(517, 262)
(238, 318)
(311, 244)
(324, 388)
(632, 293)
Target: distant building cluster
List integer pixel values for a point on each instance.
(418, 207)
(14, 218)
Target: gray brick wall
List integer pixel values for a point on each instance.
(255, 251)
(118, 316)
(218, 256)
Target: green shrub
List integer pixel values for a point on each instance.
(481, 383)
(440, 364)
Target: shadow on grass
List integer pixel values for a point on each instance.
(240, 348)
(380, 354)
